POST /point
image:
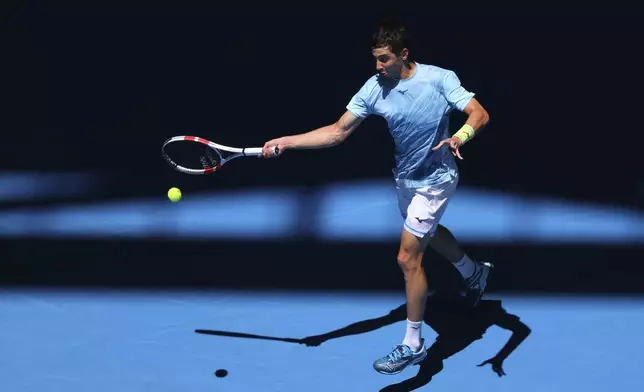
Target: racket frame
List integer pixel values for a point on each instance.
(236, 153)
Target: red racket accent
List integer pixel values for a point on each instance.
(196, 139)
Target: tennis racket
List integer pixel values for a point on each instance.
(196, 155)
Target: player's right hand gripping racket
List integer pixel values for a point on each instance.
(196, 155)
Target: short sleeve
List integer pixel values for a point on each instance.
(457, 96)
(360, 104)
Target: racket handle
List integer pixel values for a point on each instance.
(258, 151)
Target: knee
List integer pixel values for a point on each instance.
(409, 260)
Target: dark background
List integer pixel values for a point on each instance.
(97, 89)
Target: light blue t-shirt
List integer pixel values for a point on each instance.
(417, 112)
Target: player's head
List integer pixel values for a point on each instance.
(390, 47)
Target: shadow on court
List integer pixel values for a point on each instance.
(456, 323)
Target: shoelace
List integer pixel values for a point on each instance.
(399, 351)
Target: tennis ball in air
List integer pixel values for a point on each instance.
(174, 194)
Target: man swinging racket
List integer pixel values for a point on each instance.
(416, 100)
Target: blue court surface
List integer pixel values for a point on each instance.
(122, 341)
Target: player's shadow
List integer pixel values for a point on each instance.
(455, 321)
(458, 325)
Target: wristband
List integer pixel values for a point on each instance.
(465, 134)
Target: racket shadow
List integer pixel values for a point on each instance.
(246, 336)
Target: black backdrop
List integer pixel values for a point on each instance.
(97, 89)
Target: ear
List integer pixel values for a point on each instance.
(404, 54)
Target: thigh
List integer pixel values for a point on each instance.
(426, 209)
(405, 196)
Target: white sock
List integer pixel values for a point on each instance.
(413, 335)
(466, 267)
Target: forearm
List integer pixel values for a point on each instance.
(476, 120)
(323, 137)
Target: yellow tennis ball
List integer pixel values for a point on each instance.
(174, 194)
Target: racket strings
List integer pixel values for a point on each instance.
(210, 159)
(194, 156)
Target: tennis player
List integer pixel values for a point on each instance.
(416, 100)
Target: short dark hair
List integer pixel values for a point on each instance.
(393, 34)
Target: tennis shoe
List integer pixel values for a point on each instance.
(478, 281)
(401, 357)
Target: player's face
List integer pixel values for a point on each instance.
(387, 63)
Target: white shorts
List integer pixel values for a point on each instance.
(422, 208)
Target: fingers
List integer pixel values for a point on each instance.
(455, 148)
(270, 150)
(439, 145)
(453, 144)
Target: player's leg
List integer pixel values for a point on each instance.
(442, 241)
(412, 349)
(445, 244)
(410, 257)
(420, 215)
(473, 272)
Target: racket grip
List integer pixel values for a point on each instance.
(258, 151)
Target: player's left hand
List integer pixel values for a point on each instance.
(497, 365)
(454, 143)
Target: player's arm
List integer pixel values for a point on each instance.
(463, 100)
(327, 136)
(477, 116)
